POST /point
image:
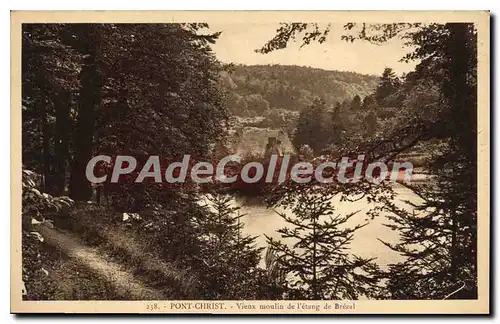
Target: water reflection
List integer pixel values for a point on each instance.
(260, 220)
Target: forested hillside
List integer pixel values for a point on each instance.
(260, 90)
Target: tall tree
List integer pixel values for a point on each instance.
(161, 94)
(356, 103)
(62, 138)
(229, 256)
(49, 70)
(448, 232)
(448, 59)
(316, 256)
(368, 102)
(88, 106)
(312, 127)
(387, 87)
(91, 88)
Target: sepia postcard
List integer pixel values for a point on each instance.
(250, 162)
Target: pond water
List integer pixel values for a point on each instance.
(260, 220)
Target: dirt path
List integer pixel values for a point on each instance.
(124, 282)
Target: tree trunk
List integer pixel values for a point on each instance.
(314, 280)
(41, 94)
(464, 119)
(464, 113)
(63, 105)
(46, 134)
(88, 103)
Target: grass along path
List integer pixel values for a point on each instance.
(114, 274)
(115, 241)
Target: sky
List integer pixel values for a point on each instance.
(238, 41)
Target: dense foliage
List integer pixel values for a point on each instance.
(157, 89)
(269, 89)
(134, 89)
(315, 254)
(111, 89)
(436, 102)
